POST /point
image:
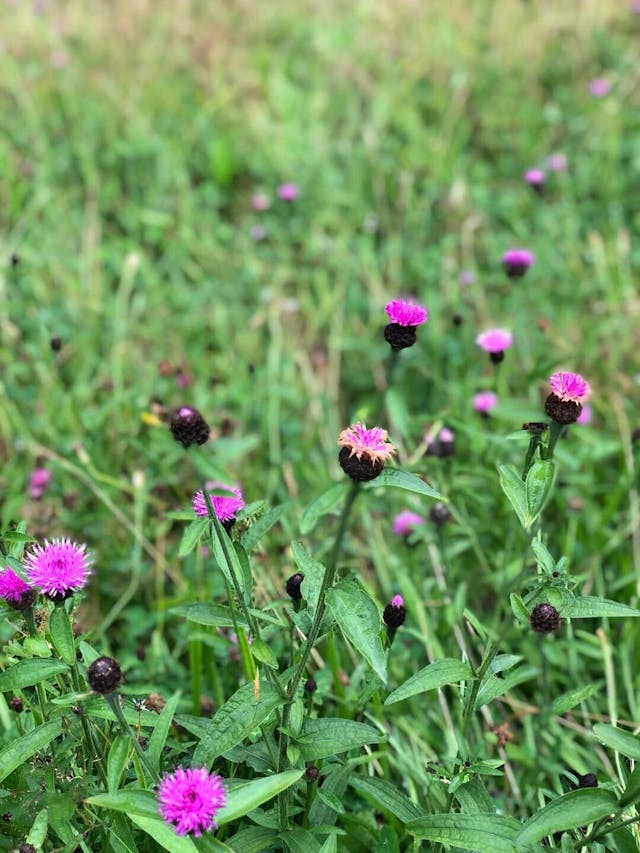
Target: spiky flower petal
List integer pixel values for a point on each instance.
(12, 587)
(372, 443)
(495, 340)
(406, 313)
(58, 567)
(225, 506)
(569, 386)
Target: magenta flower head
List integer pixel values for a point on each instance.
(405, 318)
(516, 262)
(535, 179)
(443, 446)
(225, 506)
(288, 192)
(38, 482)
(58, 568)
(15, 591)
(557, 162)
(364, 451)
(189, 799)
(467, 277)
(568, 392)
(405, 522)
(484, 401)
(599, 87)
(495, 342)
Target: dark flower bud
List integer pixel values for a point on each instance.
(399, 337)
(23, 601)
(15, 259)
(16, 704)
(535, 427)
(635, 435)
(310, 685)
(544, 619)
(311, 773)
(55, 343)
(439, 514)
(457, 319)
(293, 586)
(189, 427)
(395, 612)
(562, 411)
(589, 780)
(104, 675)
(26, 848)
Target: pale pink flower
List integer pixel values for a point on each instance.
(495, 340)
(372, 443)
(599, 87)
(288, 192)
(557, 162)
(38, 482)
(405, 522)
(484, 401)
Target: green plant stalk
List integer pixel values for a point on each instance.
(555, 431)
(470, 701)
(333, 657)
(113, 702)
(327, 582)
(33, 632)
(195, 670)
(599, 831)
(213, 676)
(88, 734)
(534, 443)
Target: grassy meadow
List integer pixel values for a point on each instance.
(135, 137)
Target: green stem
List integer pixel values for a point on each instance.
(88, 734)
(555, 431)
(327, 582)
(113, 701)
(33, 632)
(599, 831)
(489, 653)
(534, 443)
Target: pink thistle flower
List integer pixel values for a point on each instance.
(258, 233)
(364, 451)
(189, 799)
(405, 522)
(288, 192)
(557, 162)
(495, 342)
(12, 587)
(599, 87)
(394, 615)
(225, 506)
(517, 261)
(484, 402)
(535, 178)
(38, 482)
(58, 568)
(467, 277)
(397, 601)
(372, 443)
(585, 415)
(406, 313)
(260, 201)
(569, 387)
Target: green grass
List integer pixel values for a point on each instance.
(126, 183)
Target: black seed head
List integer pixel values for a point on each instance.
(310, 685)
(562, 411)
(589, 780)
(311, 773)
(399, 337)
(439, 514)
(104, 675)
(544, 619)
(293, 587)
(16, 704)
(189, 427)
(496, 357)
(361, 470)
(55, 343)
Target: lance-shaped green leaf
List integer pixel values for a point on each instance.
(321, 506)
(26, 673)
(386, 797)
(62, 635)
(436, 674)
(246, 797)
(22, 748)
(592, 607)
(235, 721)
(161, 730)
(327, 736)
(623, 742)
(490, 833)
(538, 487)
(359, 620)
(514, 488)
(403, 480)
(191, 535)
(577, 808)
(313, 572)
(209, 614)
(252, 536)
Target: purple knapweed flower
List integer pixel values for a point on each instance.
(364, 451)
(405, 317)
(405, 522)
(288, 192)
(225, 506)
(258, 233)
(12, 587)
(394, 615)
(557, 162)
(59, 567)
(495, 342)
(484, 401)
(406, 313)
(38, 482)
(516, 262)
(599, 87)
(467, 277)
(189, 799)
(535, 178)
(569, 386)
(443, 445)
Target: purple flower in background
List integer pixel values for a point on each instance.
(258, 233)
(484, 401)
(467, 277)
(557, 162)
(599, 87)
(535, 179)
(260, 201)
(288, 192)
(405, 522)
(516, 262)
(495, 342)
(585, 415)
(38, 482)
(12, 587)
